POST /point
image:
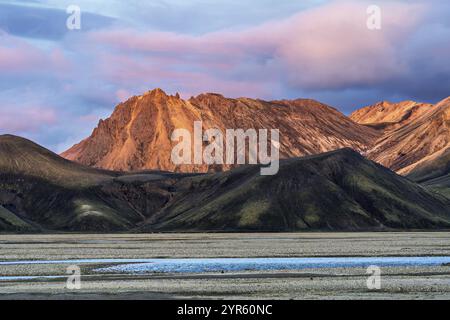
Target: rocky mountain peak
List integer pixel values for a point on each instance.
(137, 135)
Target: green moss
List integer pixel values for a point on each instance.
(87, 210)
(251, 212)
(311, 218)
(300, 224)
(11, 222)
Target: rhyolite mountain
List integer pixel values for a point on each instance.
(413, 134)
(338, 190)
(137, 134)
(388, 114)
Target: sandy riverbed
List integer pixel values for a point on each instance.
(332, 283)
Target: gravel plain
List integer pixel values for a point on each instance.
(324, 283)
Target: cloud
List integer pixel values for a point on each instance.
(17, 55)
(263, 49)
(34, 22)
(189, 17)
(26, 119)
(19, 58)
(324, 48)
(332, 48)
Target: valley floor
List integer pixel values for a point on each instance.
(413, 282)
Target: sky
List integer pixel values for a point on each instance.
(56, 83)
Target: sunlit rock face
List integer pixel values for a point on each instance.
(138, 134)
(414, 134)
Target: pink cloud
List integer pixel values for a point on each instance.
(328, 47)
(17, 56)
(325, 53)
(25, 119)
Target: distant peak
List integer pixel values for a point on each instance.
(444, 101)
(310, 101)
(157, 92)
(209, 98)
(7, 135)
(409, 102)
(384, 103)
(403, 103)
(10, 137)
(348, 151)
(209, 95)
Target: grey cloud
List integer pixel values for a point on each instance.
(44, 23)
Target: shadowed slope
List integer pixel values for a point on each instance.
(338, 190)
(10, 222)
(23, 157)
(434, 173)
(38, 186)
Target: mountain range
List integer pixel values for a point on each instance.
(386, 166)
(399, 136)
(338, 190)
(137, 135)
(413, 133)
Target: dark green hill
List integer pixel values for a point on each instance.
(434, 174)
(23, 157)
(39, 187)
(10, 222)
(339, 190)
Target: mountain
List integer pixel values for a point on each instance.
(413, 133)
(137, 135)
(390, 115)
(20, 156)
(434, 172)
(39, 190)
(399, 136)
(432, 168)
(338, 190)
(10, 222)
